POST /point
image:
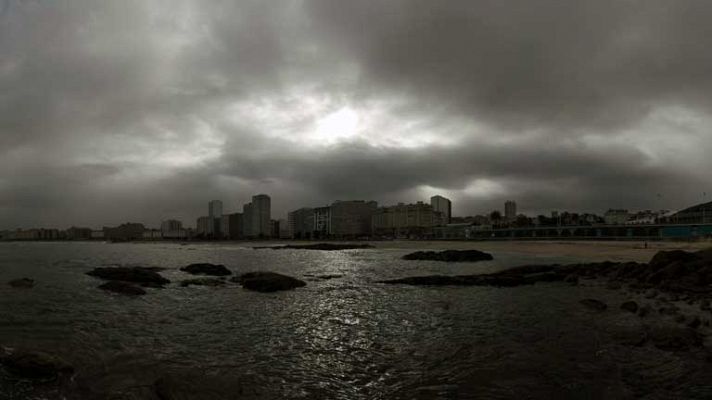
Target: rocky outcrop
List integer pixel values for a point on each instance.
(318, 246)
(630, 306)
(22, 283)
(268, 282)
(672, 272)
(122, 288)
(450, 256)
(674, 338)
(207, 269)
(202, 282)
(142, 275)
(35, 365)
(594, 304)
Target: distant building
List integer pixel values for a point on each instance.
(406, 220)
(203, 226)
(274, 228)
(698, 214)
(247, 220)
(301, 223)
(215, 211)
(322, 222)
(152, 234)
(443, 206)
(125, 232)
(75, 233)
(616, 217)
(510, 211)
(171, 229)
(350, 219)
(98, 235)
(256, 217)
(283, 229)
(235, 226)
(225, 227)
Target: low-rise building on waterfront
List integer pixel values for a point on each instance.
(406, 220)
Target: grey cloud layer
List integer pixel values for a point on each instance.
(117, 111)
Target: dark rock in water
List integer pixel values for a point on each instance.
(524, 275)
(630, 306)
(450, 256)
(645, 310)
(664, 258)
(268, 281)
(194, 387)
(122, 288)
(318, 246)
(674, 338)
(207, 269)
(694, 322)
(651, 294)
(670, 310)
(22, 283)
(327, 277)
(129, 274)
(594, 304)
(613, 285)
(202, 282)
(572, 279)
(35, 365)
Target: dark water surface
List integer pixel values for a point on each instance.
(343, 338)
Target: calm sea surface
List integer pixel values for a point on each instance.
(343, 338)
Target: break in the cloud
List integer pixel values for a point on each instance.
(134, 110)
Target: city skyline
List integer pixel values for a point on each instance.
(116, 111)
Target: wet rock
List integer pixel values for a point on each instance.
(694, 322)
(669, 310)
(318, 246)
(122, 288)
(594, 304)
(35, 365)
(630, 306)
(328, 276)
(572, 279)
(194, 387)
(22, 283)
(206, 269)
(705, 305)
(644, 310)
(674, 338)
(665, 258)
(613, 285)
(268, 281)
(450, 256)
(129, 274)
(202, 282)
(651, 294)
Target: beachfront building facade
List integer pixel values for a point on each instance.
(443, 206)
(406, 221)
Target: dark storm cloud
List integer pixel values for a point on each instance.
(135, 110)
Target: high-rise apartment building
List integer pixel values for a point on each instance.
(443, 206)
(301, 223)
(215, 211)
(256, 217)
(510, 210)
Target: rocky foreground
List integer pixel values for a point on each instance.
(674, 285)
(674, 271)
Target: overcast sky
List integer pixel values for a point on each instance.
(135, 110)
